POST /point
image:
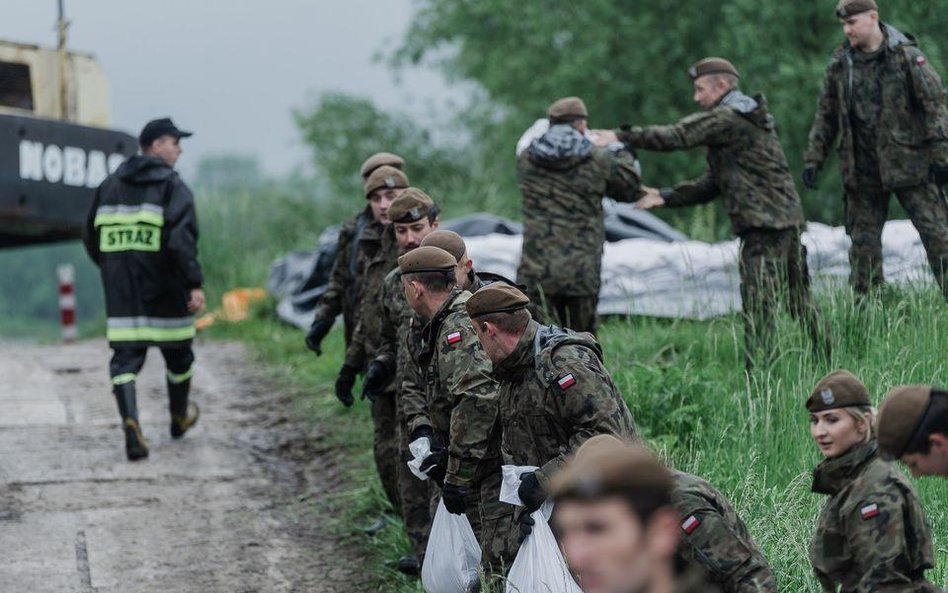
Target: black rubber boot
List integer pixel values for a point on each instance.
(135, 446)
(184, 414)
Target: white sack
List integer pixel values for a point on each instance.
(452, 556)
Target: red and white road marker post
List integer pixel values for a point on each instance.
(67, 301)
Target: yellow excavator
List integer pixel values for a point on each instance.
(55, 143)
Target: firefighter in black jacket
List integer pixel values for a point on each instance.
(142, 233)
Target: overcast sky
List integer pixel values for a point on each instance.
(232, 70)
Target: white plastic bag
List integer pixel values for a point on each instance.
(453, 555)
(539, 566)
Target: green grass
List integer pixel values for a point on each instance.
(685, 384)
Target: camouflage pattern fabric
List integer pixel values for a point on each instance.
(554, 395)
(366, 339)
(384, 447)
(747, 167)
(906, 116)
(872, 534)
(360, 239)
(715, 539)
(866, 213)
(563, 179)
(774, 272)
(577, 313)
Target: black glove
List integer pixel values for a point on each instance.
(423, 431)
(453, 498)
(526, 523)
(344, 383)
(374, 381)
(531, 492)
(939, 173)
(809, 176)
(316, 333)
(436, 466)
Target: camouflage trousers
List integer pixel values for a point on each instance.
(385, 446)
(577, 313)
(866, 213)
(774, 272)
(413, 492)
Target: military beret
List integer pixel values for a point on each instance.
(567, 109)
(712, 66)
(848, 8)
(839, 389)
(447, 240)
(380, 159)
(900, 415)
(411, 206)
(385, 177)
(498, 297)
(426, 259)
(606, 466)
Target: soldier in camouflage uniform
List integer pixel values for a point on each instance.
(359, 239)
(563, 177)
(715, 540)
(459, 414)
(384, 327)
(872, 534)
(748, 170)
(886, 105)
(554, 391)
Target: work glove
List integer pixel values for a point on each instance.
(525, 522)
(344, 383)
(938, 173)
(810, 175)
(436, 466)
(531, 493)
(316, 333)
(374, 381)
(453, 498)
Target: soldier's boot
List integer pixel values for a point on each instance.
(135, 446)
(184, 414)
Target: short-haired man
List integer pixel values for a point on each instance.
(885, 105)
(913, 428)
(747, 169)
(377, 348)
(360, 238)
(616, 523)
(554, 391)
(142, 233)
(461, 413)
(563, 177)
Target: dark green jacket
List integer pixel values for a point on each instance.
(913, 126)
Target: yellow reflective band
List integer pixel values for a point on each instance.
(124, 378)
(120, 218)
(177, 379)
(150, 334)
(132, 237)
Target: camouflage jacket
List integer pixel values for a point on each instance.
(872, 534)
(400, 338)
(913, 121)
(360, 239)
(554, 395)
(367, 338)
(716, 541)
(461, 397)
(563, 179)
(747, 167)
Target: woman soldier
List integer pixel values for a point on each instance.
(872, 534)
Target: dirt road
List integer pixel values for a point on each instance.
(229, 508)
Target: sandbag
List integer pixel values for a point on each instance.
(453, 555)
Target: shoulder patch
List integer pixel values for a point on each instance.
(690, 524)
(921, 61)
(566, 381)
(453, 339)
(869, 511)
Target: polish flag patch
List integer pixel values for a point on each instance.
(454, 339)
(690, 524)
(869, 511)
(921, 60)
(566, 381)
